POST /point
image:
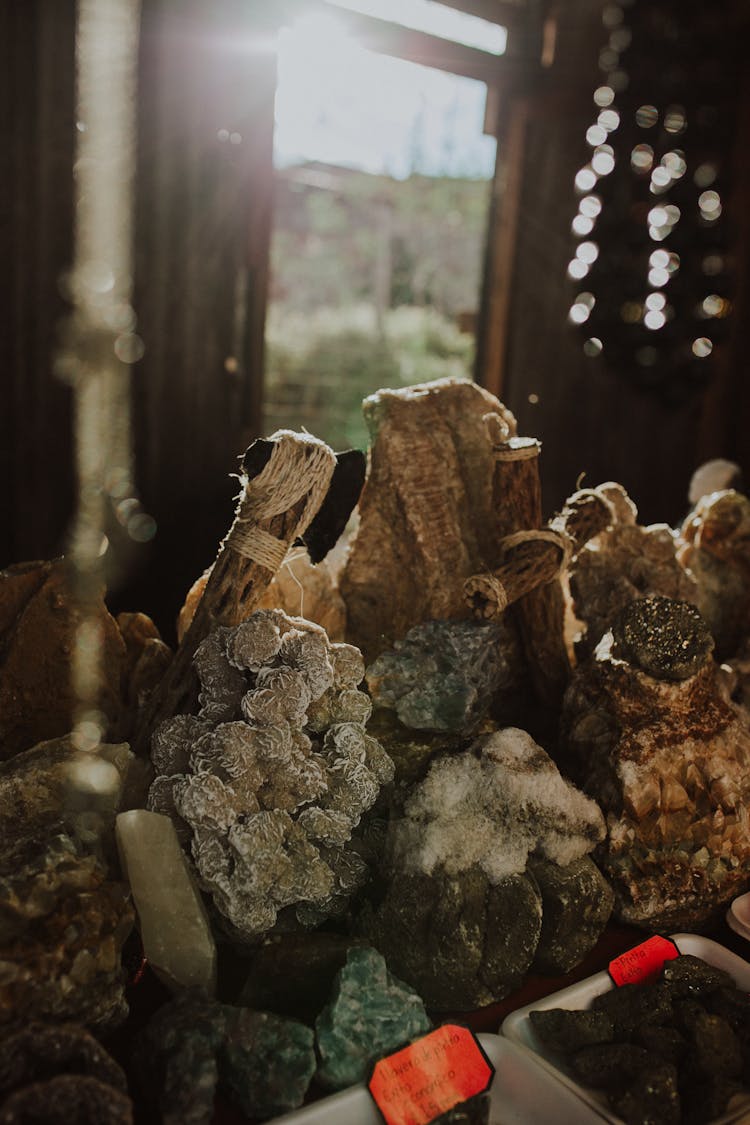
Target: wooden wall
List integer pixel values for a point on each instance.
(590, 421)
(37, 130)
(202, 208)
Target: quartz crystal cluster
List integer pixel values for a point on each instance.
(267, 783)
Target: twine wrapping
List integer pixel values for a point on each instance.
(300, 465)
(487, 594)
(559, 539)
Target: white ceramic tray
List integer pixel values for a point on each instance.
(521, 1094)
(518, 1028)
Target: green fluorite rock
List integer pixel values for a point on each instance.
(371, 1013)
(266, 1062)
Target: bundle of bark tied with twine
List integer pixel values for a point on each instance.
(292, 487)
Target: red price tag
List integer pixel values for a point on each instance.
(644, 962)
(420, 1082)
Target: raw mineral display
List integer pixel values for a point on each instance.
(267, 784)
(370, 1014)
(461, 916)
(651, 730)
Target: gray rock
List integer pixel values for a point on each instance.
(576, 905)
(459, 940)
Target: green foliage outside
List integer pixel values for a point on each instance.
(320, 366)
(369, 279)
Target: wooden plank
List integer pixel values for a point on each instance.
(388, 38)
(501, 248)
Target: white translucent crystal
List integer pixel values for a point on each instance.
(175, 929)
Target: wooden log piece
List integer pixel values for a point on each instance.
(540, 612)
(281, 494)
(532, 560)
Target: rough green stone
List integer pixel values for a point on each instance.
(266, 1062)
(444, 675)
(370, 1014)
(176, 1059)
(576, 904)
(665, 638)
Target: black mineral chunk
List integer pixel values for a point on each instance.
(652, 1099)
(69, 1099)
(576, 905)
(633, 1006)
(665, 638)
(564, 1030)
(475, 1111)
(715, 1047)
(610, 1066)
(689, 976)
(42, 1051)
(705, 1097)
(664, 1043)
(176, 1059)
(732, 1005)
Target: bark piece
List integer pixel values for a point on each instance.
(428, 517)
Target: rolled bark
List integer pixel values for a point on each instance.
(275, 506)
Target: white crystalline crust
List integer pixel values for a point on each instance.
(495, 806)
(267, 783)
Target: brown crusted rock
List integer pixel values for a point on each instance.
(304, 590)
(53, 783)
(69, 1099)
(63, 926)
(147, 659)
(716, 552)
(42, 1051)
(427, 520)
(623, 563)
(38, 623)
(668, 763)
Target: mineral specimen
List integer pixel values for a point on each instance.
(42, 1051)
(576, 904)
(69, 1098)
(445, 675)
(370, 1014)
(427, 519)
(176, 1059)
(460, 918)
(668, 762)
(716, 552)
(660, 1057)
(54, 785)
(63, 928)
(625, 562)
(665, 638)
(38, 625)
(192, 1044)
(174, 926)
(266, 1063)
(292, 974)
(270, 780)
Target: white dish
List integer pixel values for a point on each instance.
(521, 1094)
(518, 1028)
(740, 911)
(737, 926)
